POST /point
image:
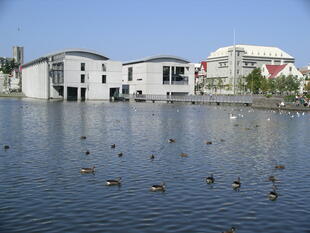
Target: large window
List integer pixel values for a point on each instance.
(103, 79)
(82, 78)
(178, 78)
(179, 70)
(82, 66)
(166, 74)
(129, 73)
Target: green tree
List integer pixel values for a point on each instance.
(307, 87)
(264, 85)
(253, 81)
(9, 66)
(292, 84)
(271, 85)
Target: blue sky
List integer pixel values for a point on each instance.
(130, 29)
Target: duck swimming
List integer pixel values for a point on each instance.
(232, 116)
(279, 167)
(88, 170)
(158, 187)
(83, 137)
(114, 182)
(210, 179)
(183, 155)
(113, 146)
(6, 147)
(171, 140)
(236, 184)
(231, 230)
(273, 195)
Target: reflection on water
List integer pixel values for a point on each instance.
(42, 189)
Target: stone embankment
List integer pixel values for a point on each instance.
(273, 103)
(12, 95)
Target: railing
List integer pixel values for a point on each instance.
(242, 99)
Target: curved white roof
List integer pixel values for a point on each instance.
(77, 50)
(65, 51)
(253, 50)
(152, 58)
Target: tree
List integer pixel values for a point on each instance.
(264, 85)
(271, 85)
(307, 87)
(292, 83)
(253, 81)
(9, 66)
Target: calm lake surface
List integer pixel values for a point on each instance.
(42, 189)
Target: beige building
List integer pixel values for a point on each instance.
(228, 64)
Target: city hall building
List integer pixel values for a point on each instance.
(229, 64)
(158, 75)
(76, 74)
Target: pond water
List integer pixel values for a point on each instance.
(42, 189)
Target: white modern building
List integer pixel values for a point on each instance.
(159, 75)
(228, 64)
(72, 74)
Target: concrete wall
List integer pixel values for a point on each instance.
(96, 90)
(35, 81)
(148, 78)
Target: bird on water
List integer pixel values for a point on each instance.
(88, 170)
(114, 182)
(231, 230)
(236, 184)
(210, 179)
(158, 187)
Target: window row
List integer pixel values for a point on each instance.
(103, 78)
(103, 67)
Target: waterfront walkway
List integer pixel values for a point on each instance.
(218, 99)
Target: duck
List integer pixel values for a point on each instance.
(272, 178)
(152, 156)
(158, 187)
(210, 179)
(87, 152)
(120, 154)
(231, 230)
(113, 146)
(88, 170)
(171, 140)
(114, 182)
(236, 184)
(273, 195)
(83, 137)
(232, 116)
(183, 155)
(6, 147)
(208, 142)
(279, 167)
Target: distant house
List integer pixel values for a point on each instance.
(158, 75)
(306, 73)
(274, 71)
(200, 77)
(75, 74)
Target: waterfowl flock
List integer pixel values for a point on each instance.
(272, 195)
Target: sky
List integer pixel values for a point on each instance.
(124, 30)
